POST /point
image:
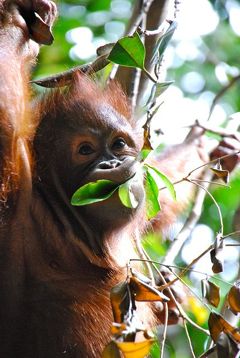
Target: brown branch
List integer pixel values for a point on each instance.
(64, 78)
(223, 132)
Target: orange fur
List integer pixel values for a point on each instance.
(54, 284)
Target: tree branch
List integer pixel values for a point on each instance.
(64, 78)
(156, 11)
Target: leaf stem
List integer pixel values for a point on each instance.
(188, 338)
(211, 162)
(149, 75)
(215, 202)
(178, 305)
(164, 330)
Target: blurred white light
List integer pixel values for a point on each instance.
(69, 11)
(222, 70)
(98, 18)
(121, 8)
(201, 238)
(207, 96)
(85, 50)
(231, 267)
(234, 15)
(174, 115)
(192, 82)
(82, 35)
(171, 59)
(82, 52)
(218, 115)
(196, 18)
(114, 28)
(188, 51)
(98, 41)
(177, 113)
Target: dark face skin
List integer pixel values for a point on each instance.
(105, 148)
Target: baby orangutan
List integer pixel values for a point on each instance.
(59, 262)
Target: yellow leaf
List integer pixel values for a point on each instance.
(135, 349)
(120, 301)
(144, 292)
(118, 328)
(221, 174)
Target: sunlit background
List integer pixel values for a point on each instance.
(202, 58)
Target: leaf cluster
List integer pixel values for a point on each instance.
(127, 327)
(102, 189)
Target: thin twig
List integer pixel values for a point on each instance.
(190, 223)
(164, 330)
(143, 256)
(191, 290)
(211, 246)
(188, 338)
(211, 182)
(183, 268)
(222, 132)
(215, 202)
(65, 78)
(209, 352)
(231, 234)
(200, 167)
(221, 93)
(210, 162)
(160, 30)
(188, 267)
(183, 314)
(154, 80)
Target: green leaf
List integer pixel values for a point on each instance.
(143, 154)
(94, 192)
(163, 180)
(151, 190)
(162, 43)
(126, 194)
(129, 51)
